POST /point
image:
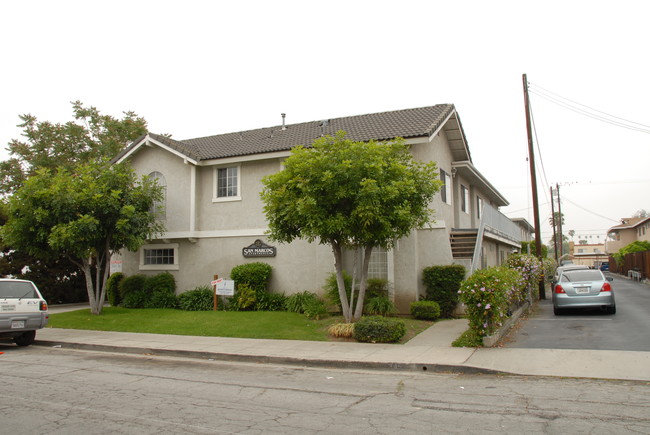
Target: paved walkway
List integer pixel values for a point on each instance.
(429, 351)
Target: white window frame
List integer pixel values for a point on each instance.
(464, 199)
(479, 207)
(174, 266)
(445, 191)
(215, 185)
(159, 207)
(379, 261)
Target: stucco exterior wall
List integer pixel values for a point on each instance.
(297, 267)
(236, 215)
(177, 177)
(462, 219)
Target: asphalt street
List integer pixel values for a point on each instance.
(66, 391)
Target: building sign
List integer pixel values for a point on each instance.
(259, 249)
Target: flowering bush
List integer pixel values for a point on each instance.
(532, 273)
(549, 265)
(487, 295)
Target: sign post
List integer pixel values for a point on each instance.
(214, 286)
(223, 287)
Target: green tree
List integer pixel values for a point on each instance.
(349, 195)
(531, 248)
(636, 246)
(90, 137)
(58, 279)
(87, 215)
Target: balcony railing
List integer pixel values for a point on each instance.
(496, 224)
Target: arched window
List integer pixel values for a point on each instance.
(158, 208)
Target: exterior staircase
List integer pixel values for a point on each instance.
(463, 243)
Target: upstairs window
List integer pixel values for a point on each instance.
(464, 198)
(445, 190)
(479, 207)
(158, 208)
(227, 184)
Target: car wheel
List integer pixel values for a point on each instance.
(557, 311)
(611, 309)
(25, 339)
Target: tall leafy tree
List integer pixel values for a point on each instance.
(90, 137)
(349, 195)
(86, 214)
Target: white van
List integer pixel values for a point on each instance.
(22, 311)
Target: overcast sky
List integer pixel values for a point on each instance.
(199, 68)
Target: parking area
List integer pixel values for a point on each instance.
(592, 329)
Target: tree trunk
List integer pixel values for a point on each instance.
(362, 285)
(340, 282)
(92, 297)
(103, 270)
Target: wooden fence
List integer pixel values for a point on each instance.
(636, 262)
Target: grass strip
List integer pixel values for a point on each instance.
(279, 325)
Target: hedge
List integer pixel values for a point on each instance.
(442, 284)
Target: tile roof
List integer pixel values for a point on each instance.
(378, 126)
(627, 223)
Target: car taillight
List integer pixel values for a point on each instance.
(606, 287)
(42, 306)
(559, 289)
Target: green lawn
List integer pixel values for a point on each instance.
(238, 324)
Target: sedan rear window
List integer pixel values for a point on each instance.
(581, 275)
(17, 289)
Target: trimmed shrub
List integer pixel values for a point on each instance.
(161, 282)
(442, 284)
(135, 299)
(255, 275)
(380, 306)
(425, 310)
(132, 292)
(270, 301)
(315, 309)
(295, 303)
(162, 299)
(199, 299)
(377, 329)
(112, 288)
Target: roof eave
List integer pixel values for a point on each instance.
(467, 170)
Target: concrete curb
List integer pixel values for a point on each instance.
(281, 360)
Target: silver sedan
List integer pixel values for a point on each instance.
(583, 289)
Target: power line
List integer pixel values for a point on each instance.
(588, 107)
(589, 211)
(539, 152)
(573, 106)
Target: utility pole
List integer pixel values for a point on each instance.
(533, 177)
(559, 225)
(553, 222)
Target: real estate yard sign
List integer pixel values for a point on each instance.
(222, 287)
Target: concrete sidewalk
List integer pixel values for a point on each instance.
(429, 351)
